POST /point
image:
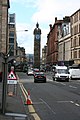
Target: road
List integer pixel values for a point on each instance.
(53, 100)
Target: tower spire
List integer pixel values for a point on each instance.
(37, 25)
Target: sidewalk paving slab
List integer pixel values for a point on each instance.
(15, 108)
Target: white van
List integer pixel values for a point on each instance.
(74, 73)
(60, 73)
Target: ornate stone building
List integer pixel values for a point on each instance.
(64, 42)
(75, 37)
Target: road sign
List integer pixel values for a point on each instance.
(12, 76)
(12, 82)
(12, 79)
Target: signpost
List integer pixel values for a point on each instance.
(12, 79)
(12, 82)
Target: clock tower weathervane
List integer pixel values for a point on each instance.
(37, 46)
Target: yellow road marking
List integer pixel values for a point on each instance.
(36, 117)
(23, 92)
(30, 107)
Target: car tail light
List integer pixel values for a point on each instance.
(35, 75)
(44, 76)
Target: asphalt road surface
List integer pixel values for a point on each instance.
(53, 100)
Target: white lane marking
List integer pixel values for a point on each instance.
(16, 115)
(77, 104)
(63, 101)
(30, 107)
(47, 106)
(49, 79)
(71, 101)
(72, 86)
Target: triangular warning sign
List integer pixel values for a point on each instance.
(12, 76)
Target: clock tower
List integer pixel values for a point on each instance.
(37, 46)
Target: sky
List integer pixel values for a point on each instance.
(29, 12)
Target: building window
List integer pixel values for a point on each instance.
(71, 54)
(75, 54)
(11, 25)
(72, 31)
(11, 46)
(12, 18)
(71, 20)
(79, 28)
(11, 40)
(11, 53)
(79, 40)
(71, 42)
(11, 34)
(79, 53)
(79, 15)
(74, 42)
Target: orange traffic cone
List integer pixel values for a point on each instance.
(29, 102)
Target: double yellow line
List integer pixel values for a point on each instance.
(30, 107)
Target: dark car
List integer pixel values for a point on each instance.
(39, 77)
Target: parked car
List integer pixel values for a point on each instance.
(39, 77)
(74, 72)
(30, 72)
(35, 70)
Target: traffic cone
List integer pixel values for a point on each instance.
(28, 102)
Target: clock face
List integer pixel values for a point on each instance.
(37, 36)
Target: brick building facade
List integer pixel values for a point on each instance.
(52, 43)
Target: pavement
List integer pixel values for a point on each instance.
(15, 107)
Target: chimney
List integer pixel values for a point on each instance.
(55, 19)
(50, 26)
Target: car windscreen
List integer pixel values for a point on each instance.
(39, 74)
(62, 71)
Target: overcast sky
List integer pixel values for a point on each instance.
(29, 12)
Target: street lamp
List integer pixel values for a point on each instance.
(22, 30)
(6, 60)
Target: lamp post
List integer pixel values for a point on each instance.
(22, 30)
(20, 50)
(6, 58)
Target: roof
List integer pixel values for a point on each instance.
(75, 12)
